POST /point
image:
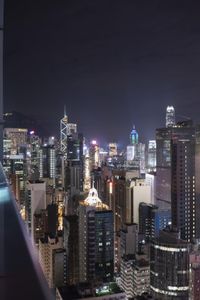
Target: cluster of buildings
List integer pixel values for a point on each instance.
(109, 223)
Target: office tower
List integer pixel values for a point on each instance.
(71, 129)
(150, 179)
(86, 172)
(176, 185)
(165, 139)
(63, 133)
(118, 200)
(112, 149)
(103, 157)
(94, 155)
(183, 201)
(135, 275)
(135, 153)
(151, 160)
(170, 116)
(74, 148)
(140, 156)
(137, 191)
(34, 147)
(130, 153)
(36, 201)
(96, 247)
(170, 266)
(1, 78)
(71, 245)
(152, 220)
(52, 257)
(73, 170)
(133, 136)
(118, 194)
(47, 159)
(163, 167)
(18, 137)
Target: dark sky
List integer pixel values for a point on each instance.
(113, 63)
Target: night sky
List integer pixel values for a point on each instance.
(113, 63)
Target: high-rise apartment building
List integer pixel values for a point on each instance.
(129, 239)
(137, 191)
(52, 257)
(96, 246)
(135, 275)
(36, 201)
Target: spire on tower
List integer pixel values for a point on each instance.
(65, 114)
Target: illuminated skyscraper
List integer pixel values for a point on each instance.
(96, 248)
(18, 137)
(63, 133)
(170, 116)
(151, 155)
(94, 155)
(170, 267)
(133, 136)
(47, 159)
(86, 173)
(112, 149)
(176, 182)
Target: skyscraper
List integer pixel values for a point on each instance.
(47, 161)
(152, 220)
(63, 133)
(170, 267)
(151, 160)
(133, 136)
(96, 241)
(175, 183)
(170, 116)
(183, 201)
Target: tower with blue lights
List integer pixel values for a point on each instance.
(133, 136)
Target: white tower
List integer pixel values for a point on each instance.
(170, 116)
(63, 133)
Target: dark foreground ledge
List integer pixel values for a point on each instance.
(20, 274)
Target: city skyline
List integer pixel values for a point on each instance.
(128, 67)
